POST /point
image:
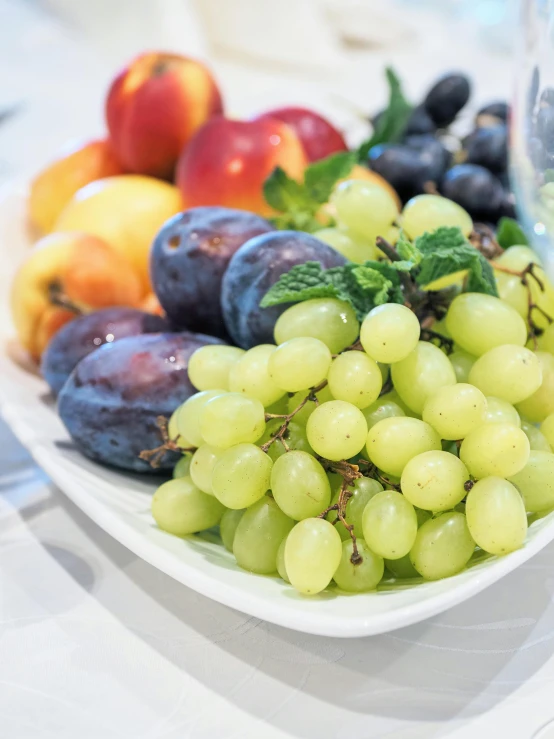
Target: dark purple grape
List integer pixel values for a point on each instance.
(255, 267)
(410, 166)
(489, 148)
(419, 122)
(544, 128)
(547, 97)
(85, 334)
(188, 259)
(475, 189)
(499, 110)
(113, 397)
(446, 98)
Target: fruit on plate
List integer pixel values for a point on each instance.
(253, 269)
(154, 107)
(85, 334)
(126, 212)
(318, 136)
(64, 274)
(227, 161)
(189, 257)
(112, 400)
(55, 185)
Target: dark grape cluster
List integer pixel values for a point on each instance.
(471, 171)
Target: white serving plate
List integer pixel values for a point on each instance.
(119, 503)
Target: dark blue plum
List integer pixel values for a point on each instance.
(255, 267)
(489, 148)
(419, 122)
(446, 98)
(544, 128)
(189, 257)
(547, 96)
(475, 189)
(85, 334)
(113, 397)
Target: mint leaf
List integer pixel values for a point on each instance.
(393, 120)
(302, 282)
(510, 233)
(373, 282)
(321, 177)
(445, 237)
(283, 193)
(481, 277)
(411, 255)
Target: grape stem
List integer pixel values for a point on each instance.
(444, 342)
(57, 297)
(524, 276)
(287, 418)
(155, 456)
(483, 239)
(349, 473)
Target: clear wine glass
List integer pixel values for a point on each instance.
(532, 129)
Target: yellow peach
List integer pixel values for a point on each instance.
(126, 212)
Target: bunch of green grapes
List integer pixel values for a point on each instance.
(350, 453)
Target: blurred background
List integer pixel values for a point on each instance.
(57, 58)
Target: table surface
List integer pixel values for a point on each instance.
(97, 644)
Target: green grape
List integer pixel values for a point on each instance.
(536, 481)
(313, 552)
(391, 443)
(389, 523)
(511, 372)
(547, 429)
(331, 321)
(497, 449)
(294, 437)
(259, 533)
(513, 291)
(429, 212)
(363, 490)
(232, 419)
(479, 322)
(182, 467)
(173, 431)
(209, 366)
(228, 526)
(434, 481)
(281, 569)
(518, 258)
(241, 476)
(348, 244)
(421, 374)
(462, 362)
(203, 462)
(188, 415)
(361, 577)
(299, 364)
(299, 485)
(455, 410)
(540, 404)
(537, 440)
(355, 378)
(500, 411)
(443, 546)
(402, 568)
(180, 508)
(250, 376)
(382, 408)
(389, 332)
(365, 208)
(337, 430)
(546, 341)
(495, 515)
(323, 396)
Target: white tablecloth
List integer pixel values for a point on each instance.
(96, 644)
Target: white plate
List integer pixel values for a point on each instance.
(119, 503)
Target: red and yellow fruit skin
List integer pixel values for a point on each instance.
(153, 108)
(76, 266)
(227, 162)
(78, 165)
